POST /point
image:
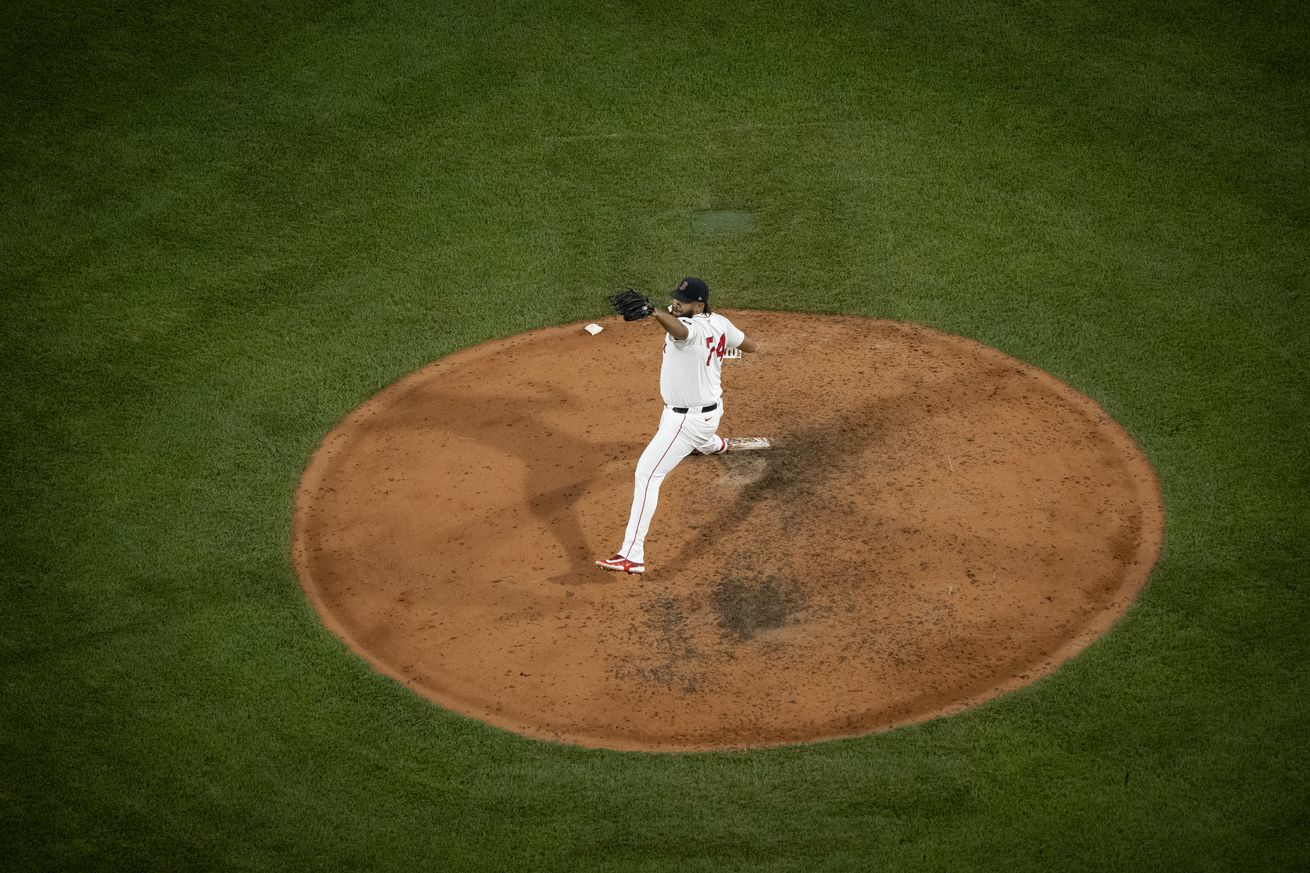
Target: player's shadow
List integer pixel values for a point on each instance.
(803, 461)
(560, 465)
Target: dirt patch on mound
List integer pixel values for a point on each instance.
(937, 523)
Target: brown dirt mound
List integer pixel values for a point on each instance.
(938, 523)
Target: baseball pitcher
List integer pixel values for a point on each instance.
(695, 343)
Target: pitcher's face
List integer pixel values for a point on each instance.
(683, 310)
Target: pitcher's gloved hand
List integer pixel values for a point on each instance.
(632, 305)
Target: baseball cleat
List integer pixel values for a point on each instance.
(746, 444)
(620, 564)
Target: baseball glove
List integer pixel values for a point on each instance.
(632, 305)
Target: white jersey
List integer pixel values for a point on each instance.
(690, 374)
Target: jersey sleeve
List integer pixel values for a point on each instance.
(734, 334)
(695, 331)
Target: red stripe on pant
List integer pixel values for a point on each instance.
(646, 491)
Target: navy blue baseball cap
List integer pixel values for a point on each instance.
(692, 290)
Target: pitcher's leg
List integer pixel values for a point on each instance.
(715, 445)
(671, 444)
(707, 439)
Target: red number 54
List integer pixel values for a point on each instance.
(715, 350)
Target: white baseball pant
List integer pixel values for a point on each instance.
(680, 434)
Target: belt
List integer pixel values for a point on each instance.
(684, 409)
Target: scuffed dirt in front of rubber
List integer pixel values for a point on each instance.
(937, 523)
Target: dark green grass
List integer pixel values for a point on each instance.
(224, 228)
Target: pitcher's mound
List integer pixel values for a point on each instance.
(935, 523)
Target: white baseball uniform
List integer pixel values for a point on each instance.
(693, 405)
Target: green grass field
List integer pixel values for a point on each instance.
(226, 226)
